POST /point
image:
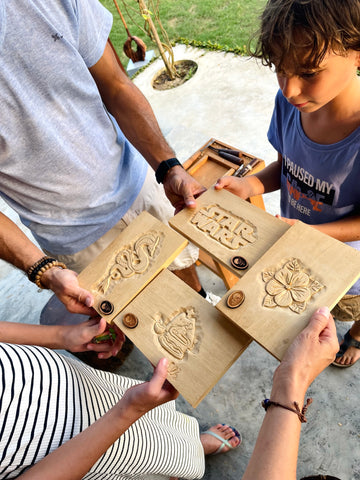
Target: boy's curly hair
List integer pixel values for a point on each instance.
(319, 26)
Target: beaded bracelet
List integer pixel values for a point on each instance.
(36, 271)
(300, 413)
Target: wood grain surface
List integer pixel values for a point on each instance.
(127, 265)
(302, 271)
(177, 323)
(223, 225)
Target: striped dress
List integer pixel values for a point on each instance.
(47, 398)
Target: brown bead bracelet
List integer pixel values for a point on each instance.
(36, 271)
(300, 413)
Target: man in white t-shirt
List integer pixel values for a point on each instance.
(76, 139)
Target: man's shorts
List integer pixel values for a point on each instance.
(348, 309)
(151, 198)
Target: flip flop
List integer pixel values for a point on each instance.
(320, 477)
(348, 341)
(224, 443)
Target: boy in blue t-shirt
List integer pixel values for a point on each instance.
(315, 48)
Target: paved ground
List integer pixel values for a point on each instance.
(229, 98)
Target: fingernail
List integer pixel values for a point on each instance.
(324, 311)
(88, 301)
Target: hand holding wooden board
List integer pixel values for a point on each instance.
(129, 263)
(304, 270)
(169, 319)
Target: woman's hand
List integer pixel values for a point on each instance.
(80, 338)
(146, 396)
(309, 354)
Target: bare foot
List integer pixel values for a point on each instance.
(211, 444)
(352, 354)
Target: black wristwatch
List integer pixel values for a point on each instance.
(164, 167)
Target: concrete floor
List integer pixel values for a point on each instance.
(231, 99)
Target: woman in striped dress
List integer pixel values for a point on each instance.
(67, 420)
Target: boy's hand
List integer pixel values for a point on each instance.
(146, 396)
(235, 185)
(79, 338)
(289, 221)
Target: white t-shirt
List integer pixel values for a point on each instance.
(63, 166)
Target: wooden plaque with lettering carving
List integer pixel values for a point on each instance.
(177, 323)
(224, 226)
(301, 272)
(129, 263)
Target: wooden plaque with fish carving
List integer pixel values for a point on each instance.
(129, 263)
(175, 322)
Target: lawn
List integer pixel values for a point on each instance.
(227, 25)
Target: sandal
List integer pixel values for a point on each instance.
(224, 443)
(320, 477)
(348, 341)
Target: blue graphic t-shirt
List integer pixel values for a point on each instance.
(319, 183)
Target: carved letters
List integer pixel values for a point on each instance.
(291, 286)
(226, 228)
(132, 259)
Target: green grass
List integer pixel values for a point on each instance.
(226, 24)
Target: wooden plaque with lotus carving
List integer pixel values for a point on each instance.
(129, 263)
(301, 272)
(177, 323)
(225, 226)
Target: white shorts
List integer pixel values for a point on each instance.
(151, 198)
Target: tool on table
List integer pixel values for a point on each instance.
(231, 155)
(244, 170)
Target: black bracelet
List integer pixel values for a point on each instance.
(34, 269)
(164, 167)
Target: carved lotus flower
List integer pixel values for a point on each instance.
(291, 286)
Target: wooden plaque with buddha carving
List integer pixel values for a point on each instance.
(169, 319)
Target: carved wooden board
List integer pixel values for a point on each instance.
(177, 323)
(303, 271)
(130, 262)
(225, 226)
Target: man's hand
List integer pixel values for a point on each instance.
(65, 285)
(181, 188)
(79, 338)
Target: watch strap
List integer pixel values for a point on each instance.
(164, 167)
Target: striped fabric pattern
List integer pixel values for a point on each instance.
(47, 398)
